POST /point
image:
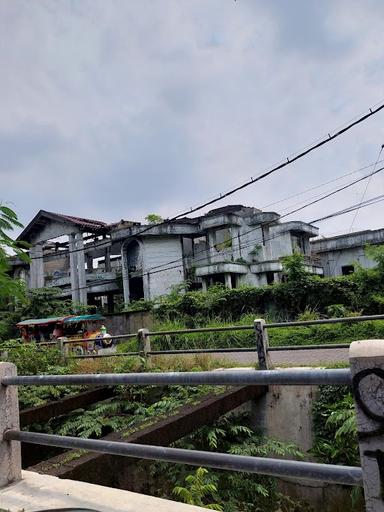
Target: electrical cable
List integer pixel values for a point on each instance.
(372, 111)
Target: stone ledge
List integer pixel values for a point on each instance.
(38, 492)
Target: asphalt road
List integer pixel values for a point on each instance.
(323, 356)
(291, 357)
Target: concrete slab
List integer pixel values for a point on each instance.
(37, 492)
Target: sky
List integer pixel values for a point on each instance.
(114, 110)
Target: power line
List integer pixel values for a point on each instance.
(366, 188)
(370, 202)
(344, 211)
(182, 258)
(284, 164)
(302, 192)
(372, 111)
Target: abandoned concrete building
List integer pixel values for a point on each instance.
(89, 259)
(338, 255)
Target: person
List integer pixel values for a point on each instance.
(57, 332)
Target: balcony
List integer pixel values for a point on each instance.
(221, 268)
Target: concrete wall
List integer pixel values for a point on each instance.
(123, 323)
(285, 413)
(160, 251)
(333, 261)
(54, 230)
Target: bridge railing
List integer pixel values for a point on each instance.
(261, 345)
(365, 376)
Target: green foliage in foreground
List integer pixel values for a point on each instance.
(225, 490)
(335, 427)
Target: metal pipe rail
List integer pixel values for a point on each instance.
(242, 349)
(297, 377)
(346, 475)
(117, 337)
(273, 325)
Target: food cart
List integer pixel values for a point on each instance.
(79, 334)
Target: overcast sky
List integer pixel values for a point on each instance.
(116, 109)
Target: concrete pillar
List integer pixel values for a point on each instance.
(32, 269)
(39, 262)
(262, 344)
(367, 370)
(125, 274)
(73, 268)
(204, 284)
(228, 280)
(108, 267)
(212, 252)
(10, 452)
(89, 260)
(235, 238)
(144, 342)
(81, 268)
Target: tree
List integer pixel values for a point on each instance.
(153, 218)
(8, 221)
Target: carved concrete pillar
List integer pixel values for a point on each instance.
(367, 369)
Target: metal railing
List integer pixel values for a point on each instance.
(260, 327)
(366, 360)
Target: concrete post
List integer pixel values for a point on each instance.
(73, 268)
(204, 286)
(39, 266)
(125, 273)
(10, 452)
(32, 268)
(108, 266)
(144, 341)
(367, 370)
(228, 281)
(262, 344)
(81, 269)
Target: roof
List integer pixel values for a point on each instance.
(43, 217)
(83, 318)
(232, 208)
(42, 321)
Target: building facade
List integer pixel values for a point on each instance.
(89, 259)
(338, 255)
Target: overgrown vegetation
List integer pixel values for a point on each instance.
(226, 490)
(335, 427)
(361, 292)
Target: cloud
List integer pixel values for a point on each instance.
(117, 109)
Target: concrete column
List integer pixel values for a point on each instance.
(32, 269)
(228, 280)
(144, 342)
(204, 284)
(236, 248)
(125, 274)
(81, 268)
(73, 268)
(367, 370)
(39, 266)
(10, 453)
(89, 260)
(108, 267)
(212, 253)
